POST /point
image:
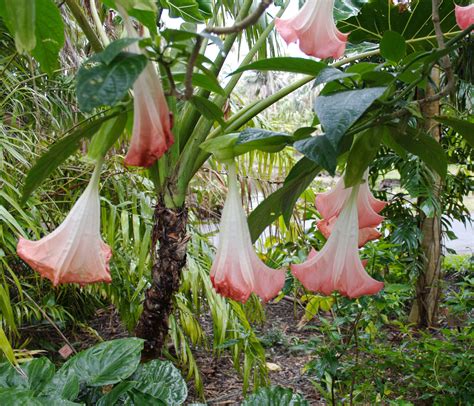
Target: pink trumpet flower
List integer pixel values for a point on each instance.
(152, 135)
(365, 234)
(315, 30)
(237, 271)
(330, 204)
(337, 267)
(74, 252)
(464, 16)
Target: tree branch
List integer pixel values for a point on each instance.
(243, 24)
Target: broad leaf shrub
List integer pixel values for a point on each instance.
(106, 374)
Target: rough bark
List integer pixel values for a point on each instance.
(424, 310)
(170, 232)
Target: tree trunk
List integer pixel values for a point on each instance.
(170, 231)
(424, 310)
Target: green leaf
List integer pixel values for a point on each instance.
(106, 137)
(49, 35)
(424, 146)
(162, 380)
(363, 151)
(338, 111)
(119, 391)
(413, 22)
(282, 200)
(393, 46)
(32, 375)
(208, 109)
(343, 9)
(330, 74)
(102, 84)
(143, 10)
(264, 140)
(58, 153)
(275, 396)
(188, 10)
(20, 16)
(463, 127)
(106, 363)
(319, 150)
(112, 50)
(285, 64)
(64, 385)
(205, 81)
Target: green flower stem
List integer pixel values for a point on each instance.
(81, 19)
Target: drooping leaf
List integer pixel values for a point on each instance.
(361, 154)
(58, 153)
(20, 18)
(282, 200)
(285, 64)
(320, 150)
(275, 396)
(263, 140)
(106, 363)
(338, 111)
(208, 109)
(424, 146)
(463, 127)
(102, 84)
(49, 29)
(107, 135)
(112, 50)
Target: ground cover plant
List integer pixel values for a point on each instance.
(236, 202)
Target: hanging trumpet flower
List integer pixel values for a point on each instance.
(337, 267)
(74, 252)
(315, 30)
(237, 271)
(152, 135)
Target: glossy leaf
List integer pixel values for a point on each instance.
(106, 363)
(112, 50)
(329, 74)
(338, 111)
(102, 84)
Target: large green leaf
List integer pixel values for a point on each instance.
(424, 146)
(275, 396)
(49, 35)
(283, 200)
(463, 127)
(412, 22)
(285, 64)
(64, 385)
(161, 380)
(320, 150)
(106, 363)
(343, 9)
(20, 17)
(32, 375)
(103, 84)
(188, 10)
(363, 151)
(338, 111)
(393, 46)
(58, 153)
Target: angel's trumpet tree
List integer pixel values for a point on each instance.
(329, 204)
(337, 267)
(315, 30)
(152, 135)
(237, 271)
(464, 16)
(74, 252)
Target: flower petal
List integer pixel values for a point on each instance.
(464, 16)
(237, 271)
(365, 234)
(74, 252)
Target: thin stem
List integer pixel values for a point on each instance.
(81, 19)
(98, 23)
(243, 24)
